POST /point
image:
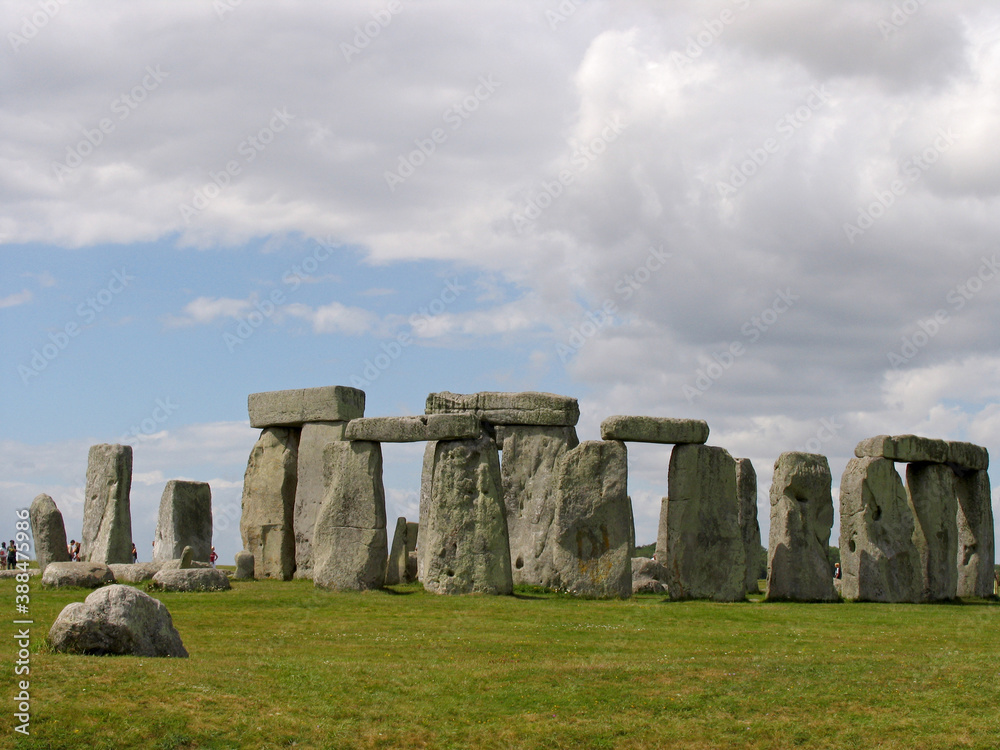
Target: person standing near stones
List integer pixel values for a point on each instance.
(213, 557)
(76, 552)
(135, 554)
(11, 555)
(836, 570)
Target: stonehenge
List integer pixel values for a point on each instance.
(933, 498)
(402, 564)
(185, 519)
(48, 532)
(266, 523)
(746, 491)
(107, 515)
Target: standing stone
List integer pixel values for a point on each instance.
(244, 565)
(528, 463)
(705, 554)
(975, 534)
(404, 541)
(931, 493)
(107, 517)
(801, 519)
(185, 519)
(878, 560)
(311, 487)
(746, 491)
(592, 555)
(47, 532)
(266, 524)
(464, 547)
(662, 535)
(349, 541)
(426, 480)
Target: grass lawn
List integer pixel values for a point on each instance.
(277, 665)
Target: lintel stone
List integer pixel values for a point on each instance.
(335, 403)
(903, 448)
(525, 408)
(414, 429)
(654, 430)
(968, 456)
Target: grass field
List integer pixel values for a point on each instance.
(276, 665)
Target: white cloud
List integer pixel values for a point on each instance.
(205, 310)
(18, 298)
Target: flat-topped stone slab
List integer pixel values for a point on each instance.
(334, 403)
(968, 456)
(414, 429)
(654, 430)
(525, 408)
(903, 448)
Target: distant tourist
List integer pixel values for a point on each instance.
(76, 552)
(135, 554)
(213, 557)
(11, 555)
(71, 548)
(836, 571)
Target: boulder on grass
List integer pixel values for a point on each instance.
(134, 572)
(648, 576)
(192, 579)
(84, 575)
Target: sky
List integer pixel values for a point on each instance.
(777, 217)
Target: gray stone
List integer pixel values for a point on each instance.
(931, 493)
(84, 575)
(705, 557)
(401, 567)
(903, 448)
(878, 560)
(529, 457)
(648, 576)
(975, 534)
(415, 429)
(184, 562)
(192, 579)
(349, 541)
(134, 572)
(244, 565)
(593, 549)
(968, 456)
(311, 488)
(266, 523)
(662, 532)
(746, 491)
(293, 408)
(426, 481)
(107, 516)
(527, 408)
(464, 547)
(116, 620)
(185, 519)
(801, 519)
(48, 533)
(654, 430)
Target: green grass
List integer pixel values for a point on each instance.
(276, 665)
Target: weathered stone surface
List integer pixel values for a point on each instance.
(705, 556)
(84, 575)
(185, 519)
(529, 457)
(426, 482)
(801, 519)
(293, 408)
(415, 429)
(311, 487)
(662, 535)
(527, 408)
(107, 516)
(402, 568)
(903, 448)
(134, 572)
(746, 492)
(266, 523)
(931, 492)
(878, 559)
(116, 620)
(47, 532)
(349, 541)
(592, 554)
(968, 455)
(184, 562)
(244, 565)
(648, 576)
(192, 579)
(975, 534)
(464, 547)
(654, 430)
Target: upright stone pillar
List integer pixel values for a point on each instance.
(311, 487)
(801, 519)
(107, 515)
(878, 560)
(48, 533)
(185, 520)
(266, 523)
(975, 533)
(931, 493)
(746, 491)
(404, 542)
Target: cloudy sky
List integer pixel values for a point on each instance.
(778, 217)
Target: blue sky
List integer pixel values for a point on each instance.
(780, 218)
